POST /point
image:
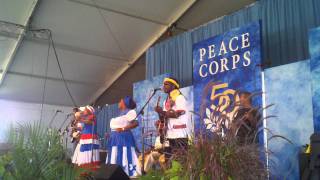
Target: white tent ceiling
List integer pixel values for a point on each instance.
(96, 41)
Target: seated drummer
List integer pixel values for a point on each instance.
(155, 157)
(246, 120)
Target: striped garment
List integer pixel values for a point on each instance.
(75, 157)
(88, 156)
(121, 145)
(121, 151)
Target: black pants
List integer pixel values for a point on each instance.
(177, 147)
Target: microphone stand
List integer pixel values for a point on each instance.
(142, 129)
(64, 121)
(65, 131)
(53, 117)
(49, 129)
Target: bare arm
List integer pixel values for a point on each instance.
(180, 106)
(174, 114)
(87, 121)
(169, 114)
(131, 125)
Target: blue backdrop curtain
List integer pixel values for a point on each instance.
(285, 25)
(103, 118)
(173, 56)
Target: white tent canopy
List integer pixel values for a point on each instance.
(96, 41)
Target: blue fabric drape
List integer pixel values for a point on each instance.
(103, 120)
(221, 25)
(173, 57)
(285, 25)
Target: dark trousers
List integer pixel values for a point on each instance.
(177, 147)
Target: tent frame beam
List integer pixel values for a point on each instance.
(8, 61)
(126, 14)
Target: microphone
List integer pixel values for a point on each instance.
(157, 89)
(69, 114)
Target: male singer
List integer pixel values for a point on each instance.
(174, 112)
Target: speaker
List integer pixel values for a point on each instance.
(103, 155)
(110, 172)
(310, 163)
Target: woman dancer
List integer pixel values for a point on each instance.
(88, 157)
(121, 144)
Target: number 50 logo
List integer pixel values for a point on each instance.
(221, 106)
(224, 99)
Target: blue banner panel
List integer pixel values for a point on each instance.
(314, 42)
(288, 87)
(314, 46)
(223, 65)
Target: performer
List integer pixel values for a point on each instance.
(76, 128)
(76, 152)
(246, 119)
(155, 156)
(89, 145)
(176, 119)
(121, 143)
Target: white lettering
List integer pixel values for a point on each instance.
(224, 62)
(201, 72)
(211, 51)
(230, 44)
(235, 60)
(247, 59)
(245, 40)
(216, 67)
(202, 53)
(222, 48)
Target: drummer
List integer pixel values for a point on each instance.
(155, 157)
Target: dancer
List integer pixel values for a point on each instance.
(121, 144)
(88, 156)
(76, 128)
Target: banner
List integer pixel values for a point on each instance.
(222, 66)
(284, 86)
(314, 48)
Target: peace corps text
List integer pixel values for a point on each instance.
(212, 52)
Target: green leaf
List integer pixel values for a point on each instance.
(38, 154)
(176, 167)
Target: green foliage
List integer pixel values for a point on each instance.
(5, 160)
(223, 158)
(216, 157)
(174, 173)
(153, 175)
(37, 153)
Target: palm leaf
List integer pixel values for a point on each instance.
(38, 153)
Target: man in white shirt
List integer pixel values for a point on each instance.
(174, 117)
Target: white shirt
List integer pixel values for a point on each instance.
(173, 133)
(123, 121)
(158, 145)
